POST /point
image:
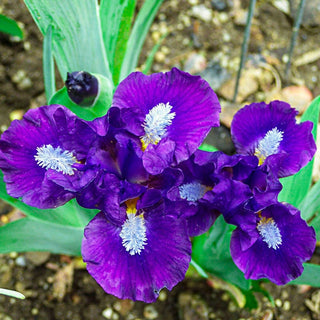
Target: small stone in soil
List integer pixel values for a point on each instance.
(107, 313)
(21, 261)
(278, 303)
(150, 312)
(219, 5)
(286, 305)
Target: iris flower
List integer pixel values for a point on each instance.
(272, 243)
(43, 156)
(206, 190)
(138, 254)
(170, 112)
(270, 132)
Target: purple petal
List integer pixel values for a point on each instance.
(103, 193)
(159, 157)
(284, 263)
(161, 264)
(194, 103)
(54, 126)
(201, 222)
(252, 123)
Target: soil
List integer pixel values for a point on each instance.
(58, 287)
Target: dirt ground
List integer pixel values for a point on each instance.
(204, 37)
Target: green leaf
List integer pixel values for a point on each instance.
(296, 187)
(310, 275)
(311, 202)
(9, 26)
(62, 97)
(100, 106)
(48, 64)
(211, 252)
(315, 223)
(12, 293)
(208, 147)
(149, 61)
(198, 269)
(77, 37)
(250, 299)
(57, 230)
(138, 35)
(118, 14)
(29, 234)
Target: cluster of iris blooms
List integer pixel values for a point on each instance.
(141, 166)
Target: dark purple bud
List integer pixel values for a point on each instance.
(82, 87)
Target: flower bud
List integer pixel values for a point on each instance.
(82, 88)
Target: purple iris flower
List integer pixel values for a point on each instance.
(206, 190)
(270, 132)
(43, 156)
(121, 174)
(272, 243)
(140, 253)
(170, 112)
(265, 187)
(261, 180)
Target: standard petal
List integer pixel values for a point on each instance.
(192, 108)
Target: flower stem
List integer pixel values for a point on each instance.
(294, 35)
(244, 47)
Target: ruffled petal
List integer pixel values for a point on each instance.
(282, 264)
(162, 263)
(290, 146)
(28, 151)
(193, 107)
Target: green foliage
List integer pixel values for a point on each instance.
(77, 36)
(296, 187)
(310, 205)
(138, 35)
(208, 147)
(113, 16)
(29, 234)
(310, 275)
(12, 293)
(119, 15)
(10, 27)
(98, 109)
(211, 252)
(48, 64)
(201, 272)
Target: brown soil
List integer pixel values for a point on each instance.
(58, 287)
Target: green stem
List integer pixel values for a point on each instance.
(244, 47)
(295, 31)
